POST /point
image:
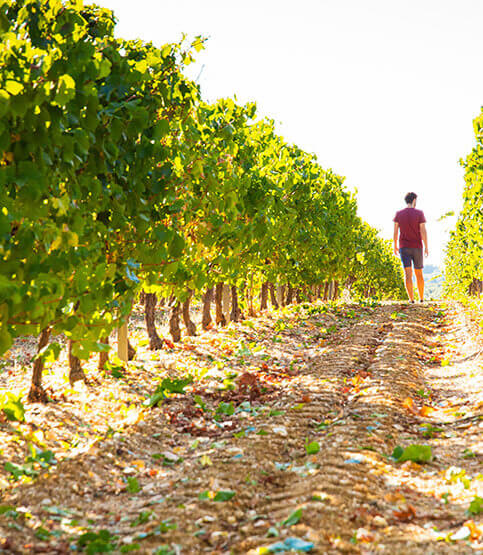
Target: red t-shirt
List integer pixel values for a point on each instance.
(410, 233)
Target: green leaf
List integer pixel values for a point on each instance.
(312, 448)
(50, 353)
(176, 246)
(414, 453)
(161, 129)
(42, 534)
(224, 496)
(130, 547)
(164, 550)
(102, 542)
(168, 385)
(133, 484)
(293, 518)
(4, 509)
(175, 385)
(115, 370)
(104, 68)
(166, 525)
(16, 471)
(197, 168)
(13, 87)
(142, 518)
(199, 401)
(13, 408)
(198, 44)
(225, 408)
(476, 506)
(4, 103)
(65, 90)
(44, 458)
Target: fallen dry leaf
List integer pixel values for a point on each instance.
(406, 514)
(426, 410)
(476, 531)
(409, 404)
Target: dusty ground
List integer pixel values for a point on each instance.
(285, 435)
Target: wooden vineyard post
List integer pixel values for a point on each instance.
(279, 295)
(220, 317)
(226, 301)
(122, 342)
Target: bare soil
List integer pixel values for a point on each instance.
(286, 432)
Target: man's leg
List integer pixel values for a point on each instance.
(408, 278)
(420, 282)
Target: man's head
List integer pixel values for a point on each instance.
(410, 198)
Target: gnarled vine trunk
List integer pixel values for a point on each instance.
(249, 297)
(37, 393)
(273, 297)
(155, 342)
(290, 292)
(76, 374)
(174, 328)
(103, 355)
(236, 314)
(219, 316)
(190, 325)
(476, 287)
(142, 297)
(206, 316)
(264, 296)
(283, 296)
(335, 293)
(309, 293)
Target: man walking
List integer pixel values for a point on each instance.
(409, 224)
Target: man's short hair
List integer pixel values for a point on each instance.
(410, 197)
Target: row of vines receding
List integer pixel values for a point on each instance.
(116, 178)
(464, 254)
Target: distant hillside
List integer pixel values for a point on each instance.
(430, 269)
(433, 281)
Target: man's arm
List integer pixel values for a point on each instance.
(424, 237)
(396, 233)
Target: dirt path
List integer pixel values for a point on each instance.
(293, 452)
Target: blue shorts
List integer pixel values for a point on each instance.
(410, 255)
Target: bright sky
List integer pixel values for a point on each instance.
(382, 91)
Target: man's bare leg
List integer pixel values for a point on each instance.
(420, 282)
(408, 278)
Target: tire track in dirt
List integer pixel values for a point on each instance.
(278, 466)
(328, 512)
(348, 496)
